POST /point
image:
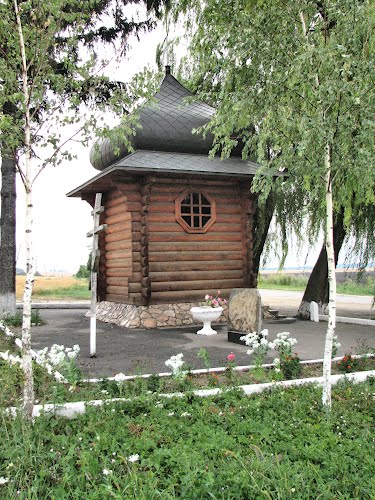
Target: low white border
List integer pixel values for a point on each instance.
(220, 369)
(352, 321)
(71, 410)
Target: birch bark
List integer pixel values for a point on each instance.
(326, 398)
(28, 393)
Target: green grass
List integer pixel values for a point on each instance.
(77, 291)
(277, 445)
(16, 320)
(298, 283)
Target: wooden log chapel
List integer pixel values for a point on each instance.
(179, 224)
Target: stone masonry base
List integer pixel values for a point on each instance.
(154, 316)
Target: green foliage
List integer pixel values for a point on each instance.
(16, 319)
(82, 272)
(288, 78)
(348, 364)
(63, 50)
(274, 445)
(290, 366)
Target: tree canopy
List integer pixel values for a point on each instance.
(287, 77)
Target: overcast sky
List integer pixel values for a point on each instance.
(61, 223)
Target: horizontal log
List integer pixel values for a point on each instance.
(119, 272)
(136, 277)
(135, 287)
(197, 285)
(119, 263)
(134, 206)
(133, 196)
(169, 198)
(136, 216)
(191, 246)
(119, 227)
(185, 296)
(115, 202)
(118, 245)
(209, 236)
(217, 227)
(228, 207)
(114, 194)
(173, 276)
(125, 187)
(120, 236)
(171, 217)
(117, 281)
(118, 299)
(118, 290)
(190, 265)
(118, 209)
(120, 217)
(119, 254)
(185, 256)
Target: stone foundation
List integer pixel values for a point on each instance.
(154, 316)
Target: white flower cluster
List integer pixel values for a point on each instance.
(13, 360)
(175, 363)
(284, 342)
(57, 355)
(257, 343)
(277, 364)
(119, 378)
(6, 330)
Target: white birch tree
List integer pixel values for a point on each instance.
(300, 74)
(58, 94)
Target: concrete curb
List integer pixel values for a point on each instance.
(71, 410)
(57, 305)
(352, 321)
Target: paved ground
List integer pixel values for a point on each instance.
(352, 306)
(145, 351)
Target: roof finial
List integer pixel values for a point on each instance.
(167, 69)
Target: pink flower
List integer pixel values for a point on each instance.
(218, 292)
(206, 297)
(215, 302)
(231, 357)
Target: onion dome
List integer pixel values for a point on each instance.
(167, 124)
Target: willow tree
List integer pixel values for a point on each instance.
(57, 95)
(301, 74)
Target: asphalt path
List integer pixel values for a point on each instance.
(145, 351)
(287, 302)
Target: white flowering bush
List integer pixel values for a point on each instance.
(259, 345)
(61, 359)
(284, 343)
(175, 363)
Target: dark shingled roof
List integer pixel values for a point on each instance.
(155, 161)
(167, 125)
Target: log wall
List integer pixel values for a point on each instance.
(184, 266)
(120, 244)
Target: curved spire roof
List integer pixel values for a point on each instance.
(167, 125)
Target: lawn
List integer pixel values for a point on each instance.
(284, 281)
(277, 445)
(55, 288)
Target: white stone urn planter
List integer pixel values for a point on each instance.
(206, 314)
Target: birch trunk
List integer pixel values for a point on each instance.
(326, 399)
(28, 392)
